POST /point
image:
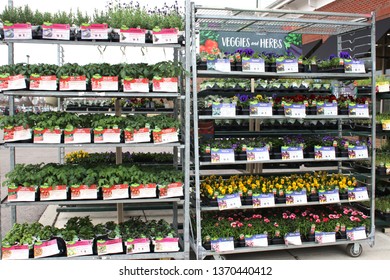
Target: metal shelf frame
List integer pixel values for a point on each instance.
(92, 145)
(181, 150)
(275, 21)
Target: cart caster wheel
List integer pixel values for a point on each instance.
(219, 258)
(352, 253)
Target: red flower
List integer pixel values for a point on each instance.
(325, 220)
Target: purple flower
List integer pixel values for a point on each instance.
(248, 52)
(332, 56)
(243, 98)
(239, 51)
(344, 55)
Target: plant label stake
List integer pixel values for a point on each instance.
(325, 237)
(79, 248)
(293, 238)
(222, 155)
(12, 82)
(20, 252)
(260, 109)
(329, 196)
(324, 153)
(222, 244)
(357, 152)
(229, 201)
(18, 31)
(257, 154)
(257, 240)
(357, 194)
(138, 245)
(56, 31)
(95, 31)
(357, 233)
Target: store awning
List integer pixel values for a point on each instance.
(356, 43)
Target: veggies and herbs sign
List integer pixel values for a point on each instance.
(224, 41)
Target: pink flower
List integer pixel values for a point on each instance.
(240, 224)
(304, 214)
(249, 225)
(276, 224)
(345, 212)
(233, 224)
(266, 220)
(230, 219)
(285, 216)
(318, 221)
(246, 219)
(293, 216)
(331, 216)
(325, 220)
(364, 216)
(355, 213)
(316, 217)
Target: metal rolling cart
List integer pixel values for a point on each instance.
(276, 21)
(181, 149)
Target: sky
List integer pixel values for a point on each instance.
(87, 54)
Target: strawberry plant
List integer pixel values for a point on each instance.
(13, 69)
(166, 69)
(159, 122)
(103, 122)
(95, 70)
(70, 70)
(42, 69)
(23, 175)
(24, 120)
(135, 71)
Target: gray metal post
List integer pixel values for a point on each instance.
(373, 129)
(119, 206)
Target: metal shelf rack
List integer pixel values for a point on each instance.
(182, 100)
(275, 21)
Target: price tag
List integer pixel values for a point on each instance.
(257, 240)
(325, 237)
(46, 249)
(324, 153)
(291, 153)
(223, 109)
(259, 154)
(253, 65)
(358, 110)
(383, 86)
(167, 245)
(293, 238)
(295, 111)
(111, 246)
(358, 194)
(327, 109)
(287, 66)
(357, 233)
(222, 244)
(356, 152)
(19, 252)
(260, 109)
(296, 198)
(354, 66)
(222, 65)
(138, 245)
(56, 31)
(386, 125)
(229, 201)
(222, 155)
(263, 200)
(329, 196)
(79, 248)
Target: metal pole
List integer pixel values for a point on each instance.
(119, 206)
(373, 129)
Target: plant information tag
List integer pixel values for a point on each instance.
(223, 109)
(166, 245)
(18, 31)
(357, 233)
(53, 192)
(168, 135)
(287, 66)
(77, 136)
(137, 136)
(56, 31)
(94, 31)
(327, 109)
(222, 65)
(229, 201)
(222, 244)
(358, 110)
(105, 83)
(222, 155)
(253, 65)
(165, 84)
(324, 237)
(20, 252)
(12, 82)
(165, 36)
(295, 110)
(291, 153)
(17, 133)
(357, 194)
(257, 154)
(43, 83)
(324, 153)
(143, 190)
(79, 248)
(293, 238)
(73, 83)
(116, 192)
(263, 200)
(171, 190)
(107, 135)
(111, 246)
(354, 66)
(383, 86)
(47, 136)
(135, 85)
(356, 152)
(138, 245)
(132, 35)
(257, 240)
(260, 109)
(296, 197)
(83, 192)
(21, 194)
(331, 196)
(46, 249)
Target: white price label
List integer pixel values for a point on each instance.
(111, 246)
(328, 153)
(224, 110)
(15, 253)
(260, 109)
(357, 233)
(293, 238)
(141, 245)
(354, 66)
(287, 66)
(357, 152)
(329, 196)
(358, 194)
(79, 248)
(222, 245)
(253, 65)
(229, 201)
(222, 155)
(167, 245)
(257, 154)
(359, 110)
(295, 111)
(46, 249)
(263, 200)
(222, 65)
(325, 237)
(296, 198)
(257, 240)
(292, 153)
(327, 109)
